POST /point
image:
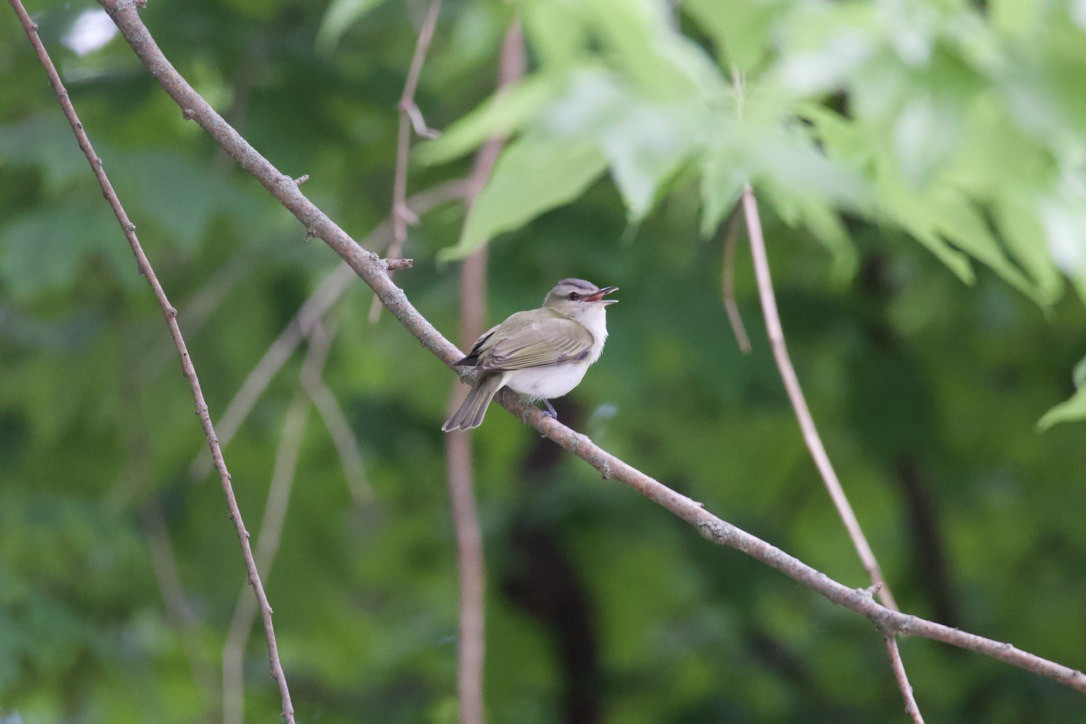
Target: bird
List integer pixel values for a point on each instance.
(540, 353)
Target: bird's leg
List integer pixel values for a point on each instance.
(550, 410)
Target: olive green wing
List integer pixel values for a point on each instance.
(534, 339)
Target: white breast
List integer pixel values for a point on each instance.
(546, 383)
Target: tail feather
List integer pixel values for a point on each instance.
(471, 411)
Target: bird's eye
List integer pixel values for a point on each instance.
(574, 296)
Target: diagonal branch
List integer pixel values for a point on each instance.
(799, 403)
(902, 679)
(370, 269)
(187, 366)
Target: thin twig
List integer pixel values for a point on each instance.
(410, 116)
(187, 366)
(347, 447)
(320, 301)
(369, 268)
(799, 403)
(178, 611)
(728, 282)
(903, 680)
(271, 530)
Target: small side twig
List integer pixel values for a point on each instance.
(394, 264)
(187, 367)
(902, 679)
(346, 444)
(728, 282)
(410, 117)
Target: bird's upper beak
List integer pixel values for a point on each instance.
(599, 296)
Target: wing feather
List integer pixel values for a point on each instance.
(528, 339)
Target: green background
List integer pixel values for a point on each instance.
(927, 389)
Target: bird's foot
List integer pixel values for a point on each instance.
(550, 412)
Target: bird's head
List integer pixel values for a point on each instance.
(576, 297)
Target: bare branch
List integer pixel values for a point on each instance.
(903, 680)
(394, 264)
(368, 266)
(410, 116)
(187, 366)
(799, 403)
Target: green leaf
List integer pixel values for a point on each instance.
(340, 15)
(556, 33)
(182, 198)
(647, 49)
(534, 174)
(498, 116)
(722, 180)
(1070, 410)
(45, 141)
(741, 29)
(1024, 237)
(644, 148)
(46, 248)
(953, 216)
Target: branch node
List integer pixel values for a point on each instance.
(393, 264)
(188, 113)
(309, 234)
(406, 214)
(129, 226)
(171, 312)
(302, 179)
(605, 470)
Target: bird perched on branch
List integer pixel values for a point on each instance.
(541, 353)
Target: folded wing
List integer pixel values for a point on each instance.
(529, 339)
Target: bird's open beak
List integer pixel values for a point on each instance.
(599, 296)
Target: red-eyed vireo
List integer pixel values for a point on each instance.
(542, 353)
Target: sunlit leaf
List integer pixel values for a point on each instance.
(338, 18)
(534, 174)
(740, 28)
(495, 117)
(1071, 410)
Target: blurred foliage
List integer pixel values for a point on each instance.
(864, 127)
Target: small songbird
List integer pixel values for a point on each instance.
(542, 353)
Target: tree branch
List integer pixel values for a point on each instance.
(368, 266)
(799, 403)
(187, 366)
(902, 680)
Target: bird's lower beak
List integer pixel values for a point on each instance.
(599, 296)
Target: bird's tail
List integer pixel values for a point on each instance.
(470, 414)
